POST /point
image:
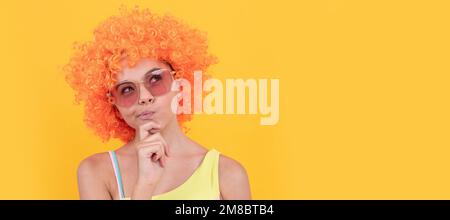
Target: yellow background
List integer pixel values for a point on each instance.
(364, 95)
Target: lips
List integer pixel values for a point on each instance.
(145, 115)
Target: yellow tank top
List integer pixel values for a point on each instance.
(203, 184)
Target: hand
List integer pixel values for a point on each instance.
(152, 154)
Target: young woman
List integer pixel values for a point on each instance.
(124, 78)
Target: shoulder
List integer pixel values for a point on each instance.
(228, 167)
(93, 177)
(233, 178)
(93, 164)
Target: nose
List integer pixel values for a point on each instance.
(145, 96)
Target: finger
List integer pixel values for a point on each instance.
(154, 156)
(160, 151)
(153, 151)
(159, 137)
(163, 161)
(166, 147)
(148, 149)
(144, 130)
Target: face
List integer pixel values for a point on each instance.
(142, 93)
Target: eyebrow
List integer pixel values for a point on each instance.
(150, 71)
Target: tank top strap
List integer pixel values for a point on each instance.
(210, 170)
(115, 164)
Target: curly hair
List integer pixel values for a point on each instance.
(133, 34)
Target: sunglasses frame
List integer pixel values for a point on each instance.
(111, 98)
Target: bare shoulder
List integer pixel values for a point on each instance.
(92, 177)
(233, 178)
(93, 163)
(229, 167)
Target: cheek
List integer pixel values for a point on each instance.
(128, 116)
(164, 104)
(168, 98)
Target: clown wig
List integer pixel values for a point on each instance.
(133, 34)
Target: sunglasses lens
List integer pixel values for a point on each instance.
(126, 94)
(158, 82)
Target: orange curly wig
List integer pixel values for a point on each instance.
(134, 34)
